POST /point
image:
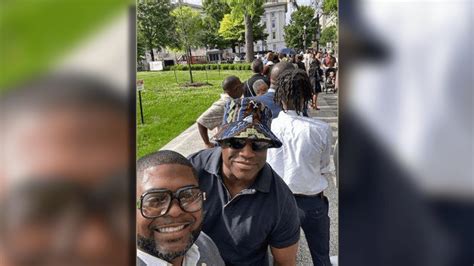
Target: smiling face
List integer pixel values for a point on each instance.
(243, 164)
(171, 235)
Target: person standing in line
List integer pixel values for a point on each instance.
(315, 78)
(212, 117)
(304, 159)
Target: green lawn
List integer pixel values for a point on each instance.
(169, 108)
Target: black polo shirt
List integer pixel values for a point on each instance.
(243, 227)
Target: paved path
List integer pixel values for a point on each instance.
(189, 142)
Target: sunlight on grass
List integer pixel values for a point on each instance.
(169, 108)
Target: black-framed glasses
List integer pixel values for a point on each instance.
(156, 203)
(238, 143)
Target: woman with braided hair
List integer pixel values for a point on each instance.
(293, 90)
(315, 74)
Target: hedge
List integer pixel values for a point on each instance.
(242, 66)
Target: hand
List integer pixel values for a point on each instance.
(210, 145)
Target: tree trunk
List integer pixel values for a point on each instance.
(152, 55)
(248, 38)
(189, 64)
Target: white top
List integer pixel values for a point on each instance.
(191, 258)
(305, 154)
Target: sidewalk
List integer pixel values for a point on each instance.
(190, 142)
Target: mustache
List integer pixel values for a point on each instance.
(157, 222)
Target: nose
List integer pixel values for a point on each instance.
(175, 209)
(247, 151)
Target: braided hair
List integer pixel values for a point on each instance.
(293, 86)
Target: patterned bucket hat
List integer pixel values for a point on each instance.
(247, 118)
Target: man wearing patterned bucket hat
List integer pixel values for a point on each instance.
(249, 207)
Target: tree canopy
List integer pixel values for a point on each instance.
(188, 28)
(155, 24)
(330, 6)
(214, 13)
(329, 34)
(188, 31)
(249, 9)
(294, 32)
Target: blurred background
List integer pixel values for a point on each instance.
(67, 133)
(406, 174)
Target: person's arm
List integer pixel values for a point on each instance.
(285, 256)
(326, 166)
(204, 136)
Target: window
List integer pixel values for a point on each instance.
(273, 14)
(273, 23)
(274, 35)
(274, 47)
(264, 25)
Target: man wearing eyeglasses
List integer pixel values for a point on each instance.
(249, 207)
(169, 213)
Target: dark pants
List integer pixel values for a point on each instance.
(315, 223)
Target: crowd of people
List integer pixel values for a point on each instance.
(260, 179)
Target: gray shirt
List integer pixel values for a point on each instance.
(203, 252)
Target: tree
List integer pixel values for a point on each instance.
(214, 13)
(295, 33)
(330, 6)
(188, 31)
(141, 50)
(329, 34)
(155, 24)
(232, 29)
(249, 9)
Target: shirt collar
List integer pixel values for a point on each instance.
(151, 260)
(271, 89)
(190, 258)
(262, 182)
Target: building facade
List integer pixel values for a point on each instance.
(274, 21)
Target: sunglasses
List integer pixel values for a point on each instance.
(156, 203)
(238, 144)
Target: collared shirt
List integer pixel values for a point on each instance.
(190, 258)
(305, 154)
(244, 226)
(213, 116)
(268, 100)
(202, 252)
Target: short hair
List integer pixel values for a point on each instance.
(279, 68)
(257, 66)
(257, 84)
(160, 158)
(229, 82)
(292, 86)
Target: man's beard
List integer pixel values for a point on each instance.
(149, 246)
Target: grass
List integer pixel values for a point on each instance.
(169, 108)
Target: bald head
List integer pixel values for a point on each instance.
(278, 69)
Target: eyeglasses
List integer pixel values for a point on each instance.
(156, 203)
(237, 143)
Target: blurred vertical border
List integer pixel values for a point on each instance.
(405, 133)
(38, 38)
